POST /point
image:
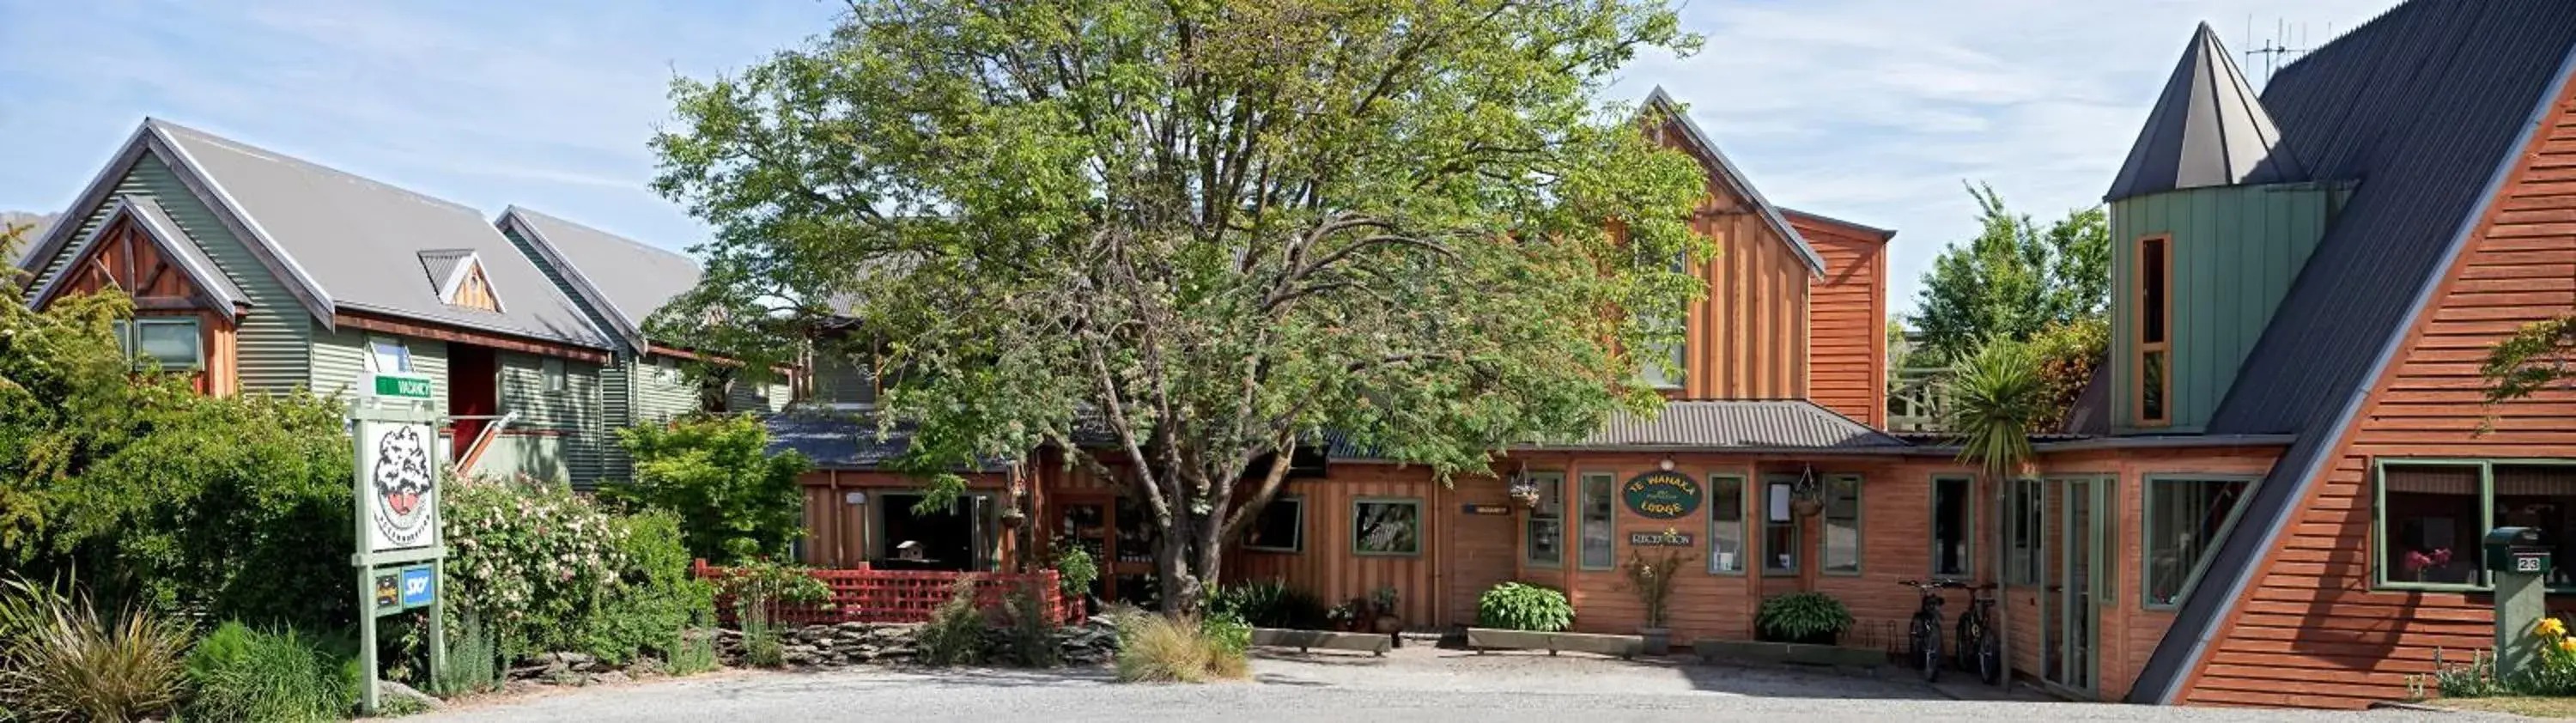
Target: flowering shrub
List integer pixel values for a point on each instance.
(548, 570)
(2554, 671)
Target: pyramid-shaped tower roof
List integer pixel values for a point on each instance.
(2208, 129)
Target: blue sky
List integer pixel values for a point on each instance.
(1874, 111)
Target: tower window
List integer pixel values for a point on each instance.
(2155, 344)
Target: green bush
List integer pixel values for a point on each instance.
(62, 660)
(242, 674)
(736, 501)
(1231, 634)
(1802, 617)
(1522, 606)
(1271, 604)
(955, 633)
(696, 654)
(473, 661)
(1075, 570)
(544, 569)
(657, 596)
(753, 587)
(1031, 635)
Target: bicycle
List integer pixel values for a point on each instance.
(1980, 649)
(1924, 632)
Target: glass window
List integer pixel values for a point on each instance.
(1387, 526)
(2184, 520)
(1842, 525)
(2023, 561)
(387, 355)
(1725, 524)
(124, 331)
(2541, 497)
(1544, 543)
(1779, 529)
(2153, 285)
(1596, 520)
(2155, 344)
(551, 369)
(1952, 498)
(1281, 526)
(172, 342)
(2432, 519)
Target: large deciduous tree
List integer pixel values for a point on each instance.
(1178, 240)
(2013, 281)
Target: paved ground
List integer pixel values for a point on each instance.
(1415, 684)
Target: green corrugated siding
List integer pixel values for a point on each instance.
(838, 379)
(571, 418)
(340, 363)
(616, 387)
(763, 396)
(662, 391)
(274, 334)
(2236, 250)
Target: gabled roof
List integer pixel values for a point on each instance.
(336, 239)
(155, 223)
(1883, 234)
(448, 269)
(1734, 178)
(622, 279)
(2427, 107)
(2207, 129)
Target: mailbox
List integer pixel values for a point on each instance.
(2516, 550)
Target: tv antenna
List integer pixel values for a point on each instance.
(2281, 48)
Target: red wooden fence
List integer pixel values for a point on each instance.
(869, 595)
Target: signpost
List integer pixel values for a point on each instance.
(2519, 560)
(399, 553)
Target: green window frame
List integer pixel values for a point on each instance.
(132, 336)
(1597, 534)
(1728, 546)
(1776, 520)
(2481, 476)
(1545, 526)
(1954, 541)
(1842, 518)
(1370, 515)
(2024, 530)
(2153, 543)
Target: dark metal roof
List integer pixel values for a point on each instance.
(2426, 107)
(2207, 129)
(1883, 233)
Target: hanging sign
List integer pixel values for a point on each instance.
(1662, 495)
(1476, 509)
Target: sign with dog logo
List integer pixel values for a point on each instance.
(398, 477)
(399, 550)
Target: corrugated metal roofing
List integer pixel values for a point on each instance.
(2206, 129)
(629, 279)
(1766, 424)
(438, 264)
(2423, 106)
(165, 234)
(348, 236)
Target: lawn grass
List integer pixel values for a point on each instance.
(2532, 706)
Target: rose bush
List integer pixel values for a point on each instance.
(547, 570)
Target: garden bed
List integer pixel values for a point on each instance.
(1624, 646)
(1729, 651)
(1304, 640)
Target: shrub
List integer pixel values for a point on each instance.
(1271, 604)
(1230, 633)
(657, 596)
(473, 661)
(755, 587)
(955, 633)
(1651, 578)
(1031, 635)
(1522, 606)
(62, 660)
(696, 654)
(530, 559)
(241, 674)
(1075, 570)
(1802, 617)
(1167, 649)
(736, 501)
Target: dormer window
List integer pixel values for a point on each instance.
(2155, 332)
(460, 279)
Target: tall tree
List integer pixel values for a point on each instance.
(2014, 280)
(1206, 233)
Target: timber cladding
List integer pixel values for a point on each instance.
(2312, 630)
(1847, 320)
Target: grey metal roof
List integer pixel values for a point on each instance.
(2426, 106)
(208, 278)
(1785, 423)
(439, 264)
(1734, 177)
(348, 239)
(2207, 129)
(623, 279)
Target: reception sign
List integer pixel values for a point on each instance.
(1663, 495)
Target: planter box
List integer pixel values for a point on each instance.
(1625, 646)
(1305, 640)
(1746, 650)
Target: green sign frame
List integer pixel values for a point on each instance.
(396, 519)
(1663, 495)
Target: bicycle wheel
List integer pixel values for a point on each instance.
(1971, 628)
(1927, 648)
(1990, 655)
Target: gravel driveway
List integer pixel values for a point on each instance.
(1414, 684)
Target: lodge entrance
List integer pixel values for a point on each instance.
(2075, 515)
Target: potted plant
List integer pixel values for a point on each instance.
(1524, 491)
(1382, 608)
(1651, 578)
(1802, 617)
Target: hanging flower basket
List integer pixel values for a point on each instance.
(1524, 491)
(1013, 518)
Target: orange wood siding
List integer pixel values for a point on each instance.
(2312, 631)
(127, 260)
(475, 292)
(1747, 339)
(1327, 566)
(1847, 321)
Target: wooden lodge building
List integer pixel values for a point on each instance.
(2270, 496)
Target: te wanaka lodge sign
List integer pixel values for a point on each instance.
(1662, 495)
